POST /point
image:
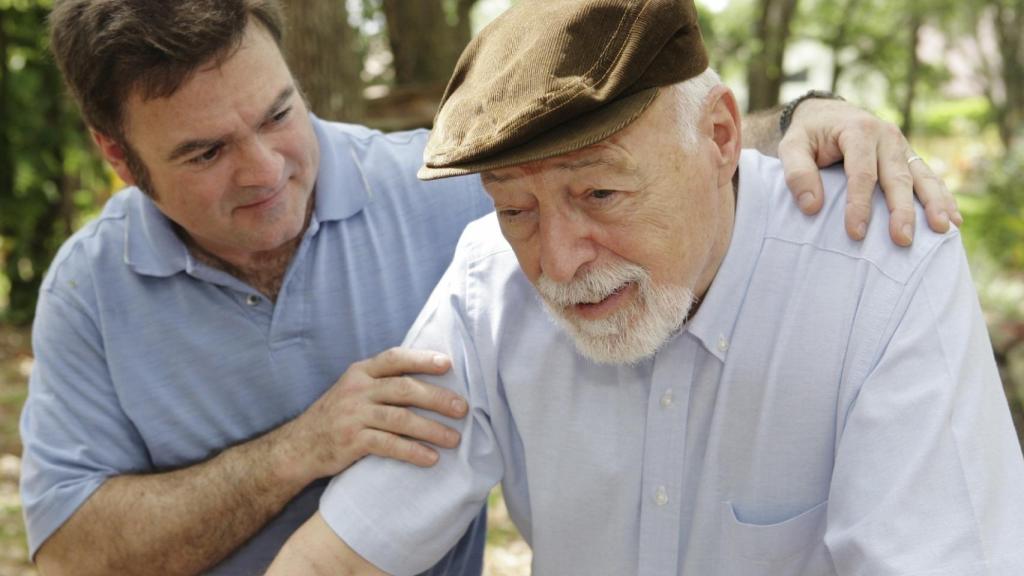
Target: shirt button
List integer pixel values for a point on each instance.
(666, 399)
(252, 299)
(661, 496)
(723, 344)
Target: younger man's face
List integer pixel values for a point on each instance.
(231, 155)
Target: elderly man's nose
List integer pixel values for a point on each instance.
(565, 247)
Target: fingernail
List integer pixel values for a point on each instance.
(944, 217)
(862, 229)
(459, 405)
(440, 360)
(908, 231)
(451, 437)
(958, 218)
(805, 200)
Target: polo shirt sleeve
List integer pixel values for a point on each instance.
(403, 518)
(928, 474)
(73, 430)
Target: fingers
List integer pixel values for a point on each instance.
(939, 205)
(897, 185)
(405, 391)
(802, 176)
(392, 430)
(405, 422)
(379, 443)
(860, 162)
(397, 361)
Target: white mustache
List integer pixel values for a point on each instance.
(593, 285)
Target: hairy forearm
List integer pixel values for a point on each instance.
(182, 521)
(761, 131)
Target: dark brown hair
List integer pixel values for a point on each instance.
(109, 49)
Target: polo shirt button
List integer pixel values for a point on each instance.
(723, 344)
(252, 299)
(661, 496)
(666, 399)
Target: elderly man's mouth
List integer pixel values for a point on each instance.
(602, 308)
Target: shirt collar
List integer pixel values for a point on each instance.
(153, 248)
(342, 186)
(714, 322)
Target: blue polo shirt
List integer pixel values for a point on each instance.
(149, 360)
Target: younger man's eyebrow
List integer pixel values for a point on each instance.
(191, 146)
(279, 102)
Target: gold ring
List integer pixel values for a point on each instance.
(912, 158)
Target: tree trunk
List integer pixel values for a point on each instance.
(839, 41)
(1009, 22)
(424, 44)
(320, 49)
(765, 74)
(913, 69)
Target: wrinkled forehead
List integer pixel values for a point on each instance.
(609, 155)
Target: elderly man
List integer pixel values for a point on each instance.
(731, 388)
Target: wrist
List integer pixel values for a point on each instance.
(287, 455)
(789, 110)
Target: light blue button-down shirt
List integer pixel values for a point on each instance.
(832, 408)
(146, 359)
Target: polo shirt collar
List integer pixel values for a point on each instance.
(342, 188)
(153, 248)
(715, 320)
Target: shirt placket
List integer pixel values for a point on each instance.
(664, 458)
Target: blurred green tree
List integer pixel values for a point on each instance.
(49, 173)
(771, 34)
(996, 27)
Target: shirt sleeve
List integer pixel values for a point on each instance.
(73, 430)
(928, 470)
(403, 518)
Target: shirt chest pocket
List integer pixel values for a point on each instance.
(793, 547)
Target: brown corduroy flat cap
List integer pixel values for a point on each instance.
(548, 77)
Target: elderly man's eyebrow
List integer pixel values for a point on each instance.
(616, 162)
(190, 146)
(619, 163)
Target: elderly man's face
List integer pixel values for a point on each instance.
(621, 238)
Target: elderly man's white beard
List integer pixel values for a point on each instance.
(633, 332)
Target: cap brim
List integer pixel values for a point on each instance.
(581, 132)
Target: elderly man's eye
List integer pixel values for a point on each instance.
(509, 213)
(602, 194)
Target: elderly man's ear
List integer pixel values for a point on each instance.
(722, 124)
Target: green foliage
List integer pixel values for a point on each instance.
(999, 224)
(50, 173)
(728, 36)
(955, 117)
